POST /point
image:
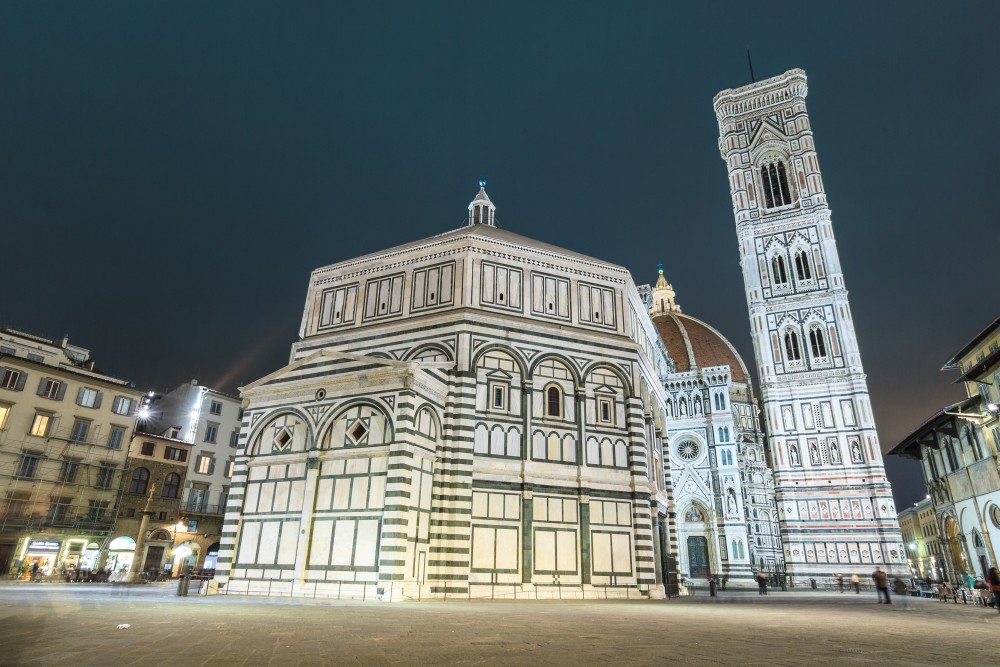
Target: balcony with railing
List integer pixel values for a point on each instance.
(199, 501)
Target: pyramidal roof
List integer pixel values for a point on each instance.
(487, 232)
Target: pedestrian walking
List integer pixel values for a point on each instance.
(34, 571)
(899, 588)
(761, 583)
(881, 584)
(994, 581)
(856, 582)
(840, 582)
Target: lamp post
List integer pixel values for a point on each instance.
(179, 550)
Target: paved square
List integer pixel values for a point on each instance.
(53, 624)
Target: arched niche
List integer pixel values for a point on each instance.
(359, 425)
(284, 434)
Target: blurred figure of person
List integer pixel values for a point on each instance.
(856, 582)
(881, 584)
(969, 580)
(34, 571)
(761, 583)
(899, 588)
(993, 577)
(840, 582)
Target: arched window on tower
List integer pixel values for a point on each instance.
(553, 402)
(802, 270)
(778, 271)
(817, 343)
(792, 350)
(774, 183)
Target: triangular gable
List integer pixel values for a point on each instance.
(767, 131)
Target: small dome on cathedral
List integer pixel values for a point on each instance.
(481, 209)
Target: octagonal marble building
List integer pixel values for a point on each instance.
(475, 413)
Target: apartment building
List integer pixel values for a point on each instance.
(64, 432)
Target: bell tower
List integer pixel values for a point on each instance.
(834, 502)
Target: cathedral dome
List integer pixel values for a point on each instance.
(692, 344)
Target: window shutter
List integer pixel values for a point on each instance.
(41, 386)
(132, 407)
(79, 396)
(211, 466)
(61, 391)
(97, 400)
(21, 378)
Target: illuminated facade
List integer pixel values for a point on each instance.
(64, 432)
(210, 421)
(959, 452)
(834, 502)
(476, 413)
(723, 487)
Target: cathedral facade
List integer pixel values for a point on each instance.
(834, 501)
(723, 488)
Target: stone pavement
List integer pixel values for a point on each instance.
(57, 624)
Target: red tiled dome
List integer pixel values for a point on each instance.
(692, 344)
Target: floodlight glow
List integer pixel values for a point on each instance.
(144, 413)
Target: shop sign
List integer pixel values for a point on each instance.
(44, 546)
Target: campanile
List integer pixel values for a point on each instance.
(834, 502)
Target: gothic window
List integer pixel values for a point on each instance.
(973, 441)
(792, 349)
(553, 402)
(817, 344)
(802, 270)
(774, 183)
(780, 273)
(952, 459)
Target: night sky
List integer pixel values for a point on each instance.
(170, 173)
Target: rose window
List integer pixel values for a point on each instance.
(688, 450)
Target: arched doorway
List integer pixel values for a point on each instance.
(695, 541)
(958, 561)
(980, 546)
(211, 557)
(185, 557)
(121, 550)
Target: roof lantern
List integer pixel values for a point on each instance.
(481, 210)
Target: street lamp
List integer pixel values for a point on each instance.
(180, 552)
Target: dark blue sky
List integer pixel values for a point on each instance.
(171, 172)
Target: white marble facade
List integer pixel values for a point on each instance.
(723, 488)
(834, 501)
(476, 413)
